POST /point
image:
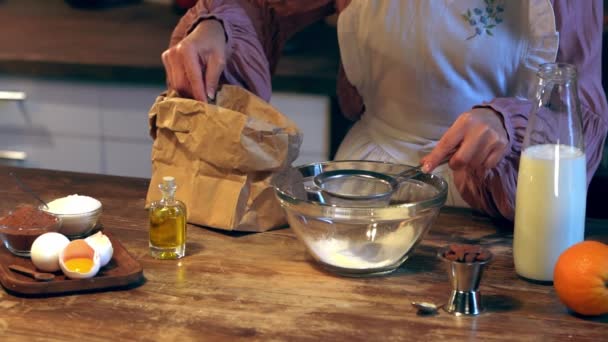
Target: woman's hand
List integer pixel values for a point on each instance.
(478, 138)
(195, 64)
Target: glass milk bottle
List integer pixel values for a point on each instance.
(552, 183)
(167, 223)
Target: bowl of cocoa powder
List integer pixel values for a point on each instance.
(20, 227)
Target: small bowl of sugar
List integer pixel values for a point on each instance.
(79, 214)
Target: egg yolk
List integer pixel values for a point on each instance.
(80, 265)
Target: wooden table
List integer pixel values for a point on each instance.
(264, 286)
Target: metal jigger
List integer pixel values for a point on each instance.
(465, 299)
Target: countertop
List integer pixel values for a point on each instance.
(124, 43)
(265, 286)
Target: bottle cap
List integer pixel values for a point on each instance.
(169, 181)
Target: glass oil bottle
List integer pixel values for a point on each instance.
(167, 223)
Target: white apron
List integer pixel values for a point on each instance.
(419, 64)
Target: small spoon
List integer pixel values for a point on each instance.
(425, 308)
(40, 276)
(25, 188)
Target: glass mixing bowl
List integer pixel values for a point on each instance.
(359, 241)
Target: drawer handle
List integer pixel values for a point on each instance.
(13, 155)
(12, 96)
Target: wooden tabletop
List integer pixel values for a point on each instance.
(264, 286)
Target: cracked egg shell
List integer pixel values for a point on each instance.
(102, 244)
(79, 260)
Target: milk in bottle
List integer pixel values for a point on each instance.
(552, 181)
(550, 207)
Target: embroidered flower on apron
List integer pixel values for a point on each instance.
(484, 20)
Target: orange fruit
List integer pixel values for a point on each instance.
(580, 278)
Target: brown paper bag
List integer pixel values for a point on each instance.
(223, 157)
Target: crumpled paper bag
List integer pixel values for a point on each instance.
(223, 157)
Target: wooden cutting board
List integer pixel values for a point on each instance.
(121, 272)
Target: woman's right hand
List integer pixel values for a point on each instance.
(195, 64)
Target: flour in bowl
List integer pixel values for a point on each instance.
(372, 253)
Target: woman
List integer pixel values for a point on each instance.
(436, 76)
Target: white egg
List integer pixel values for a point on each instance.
(78, 260)
(101, 243)
(45, 251)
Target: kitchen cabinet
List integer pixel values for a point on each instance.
(90, 79)
(99, 127)
(78, 126)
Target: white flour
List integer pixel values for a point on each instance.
(365, 254)
(73, 204)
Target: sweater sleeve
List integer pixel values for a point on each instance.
(580, 26)
(256, 31)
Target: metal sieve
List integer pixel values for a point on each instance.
(363, 187)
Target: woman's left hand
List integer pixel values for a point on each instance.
(478, 140)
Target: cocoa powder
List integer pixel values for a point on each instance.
(22, 226)
(466, 253)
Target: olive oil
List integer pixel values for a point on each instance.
(167, 223)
